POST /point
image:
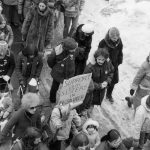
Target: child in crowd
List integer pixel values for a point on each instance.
(91, 129)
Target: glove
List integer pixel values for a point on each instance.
(5, 115)
(21, 18)
(104, 85)
(132, 92)
(22, 83)
(6, 78)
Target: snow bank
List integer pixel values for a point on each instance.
(132, 19)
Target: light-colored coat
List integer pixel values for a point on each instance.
(142, 77)
(142, 118)
(63, 126)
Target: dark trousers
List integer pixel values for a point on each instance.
(3, 85)
(70, 23)
(55, 146)
(143, 139)
(11, 13)
(53, 91)
(110, 90)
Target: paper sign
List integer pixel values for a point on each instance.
(75, 89)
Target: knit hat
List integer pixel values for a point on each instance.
(44, 1)
(101, 52)
(3, 45)
(87, 28)
(114, 32)
(148, 101)
(69, 44)
(113, 135)
(30, 50)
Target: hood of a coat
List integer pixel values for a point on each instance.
(110, 43)
(143, 103)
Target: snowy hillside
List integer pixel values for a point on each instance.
(132, 19)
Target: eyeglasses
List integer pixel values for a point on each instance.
(35, 107)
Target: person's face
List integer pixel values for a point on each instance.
(31, 56)
(114, 37)
(32, 109)
(3, 24)
(2, 52)
(42, 6)
(115, 143)
(72, 51)
(37, 141)
(100, 60)
(90, 130)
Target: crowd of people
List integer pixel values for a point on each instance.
(69, 126)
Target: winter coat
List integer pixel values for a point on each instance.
(142, 119)
(99, 75)
(25, 5)
(63, 65)
(63, 126)
(115, 54)
(83, 42)
(7, 35)
(7, 64)
(38, 28)
(73, 7)
(10, 2)
(20, 120)
(22, 65)
(142, 77)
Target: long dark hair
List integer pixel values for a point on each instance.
(111, 136)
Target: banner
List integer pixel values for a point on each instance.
(75, 89)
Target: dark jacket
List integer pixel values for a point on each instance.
(99, 75)
(83, 42)
(38, 28)
(115, 54)
(63, 65)
(20, 120)
(7, 64)
(23, 63)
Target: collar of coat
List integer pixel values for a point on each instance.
(110, 43)
(45, 13)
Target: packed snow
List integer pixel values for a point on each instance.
(132, 19)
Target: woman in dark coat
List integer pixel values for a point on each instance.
(62, 62)
(113, 43)
(38, 26)
(83, 37)
(102, 73)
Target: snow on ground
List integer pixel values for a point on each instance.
(132, 19)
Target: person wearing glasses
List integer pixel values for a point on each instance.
(25, 117)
